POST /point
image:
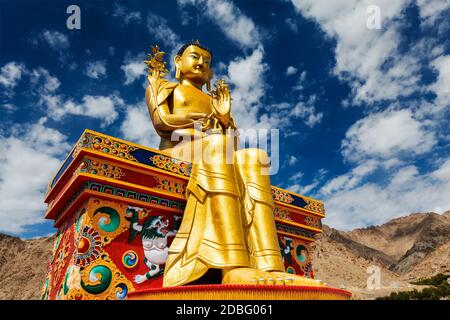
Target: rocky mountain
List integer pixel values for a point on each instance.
(405, 249)
(23, 266)
(408, 241)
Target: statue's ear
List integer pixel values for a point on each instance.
(177, 60)
(208, 81)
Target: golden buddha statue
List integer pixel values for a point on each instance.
(228, 223)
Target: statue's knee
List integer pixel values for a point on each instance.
(252, 156)
(215, 140)
(217, 148)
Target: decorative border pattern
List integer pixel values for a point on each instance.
(294, 230)
(120, 192)
(313, 222)
(281, 196)
(125, 193)
(100, 168)
(172, 165)
(282, 214)
(315, 206)
(170, 185)
(106, 145)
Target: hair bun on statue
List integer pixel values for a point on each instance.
(193, 43)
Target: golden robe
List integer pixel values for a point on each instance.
(228, 220)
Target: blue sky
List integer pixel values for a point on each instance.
(363, 112)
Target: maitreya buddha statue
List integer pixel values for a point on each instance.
(228, 223)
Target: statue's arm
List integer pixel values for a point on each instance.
(225, 120)
(156, 95)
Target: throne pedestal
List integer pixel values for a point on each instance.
(106, 185)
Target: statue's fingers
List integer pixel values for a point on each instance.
(221, 94)
(226, 87)
(221, 90)
(228, 95)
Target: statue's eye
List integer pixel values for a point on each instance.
(194, 56)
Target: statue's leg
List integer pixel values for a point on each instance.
(260, 233)
(211, 234)
(265, 254)
(262, 240)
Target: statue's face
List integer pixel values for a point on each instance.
(194, 64)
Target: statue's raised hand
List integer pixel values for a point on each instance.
(221, 98)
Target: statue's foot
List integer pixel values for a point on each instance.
(295, 280)
(247, 276)
(255, 276)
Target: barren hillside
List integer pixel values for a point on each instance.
(23, 266)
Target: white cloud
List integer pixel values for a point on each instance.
(292, 24)
(307, 112)
(42, 81)
(385, 182)
(98, 107)
(299, 187)
(292, 160)
(126, 15)
(248, 87)
(386, 135)
(442, 86)
(291, 70)
(138, 127)
(8, 107)
(295, 188)
(296, 176)
(160, 30)
(230, 19)
(55, 39)
(299, 86)
(443, 173)
(407, 191)
(29, 157)
(246, 75)
(295, 179)
(96, 69)
(369, 59)
(57, 42)
(134, 68)
(10, 75)
(45, 87)
(351, 179)
(431, 9)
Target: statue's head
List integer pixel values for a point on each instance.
(193, 62)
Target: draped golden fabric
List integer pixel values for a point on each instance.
(228, 220)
